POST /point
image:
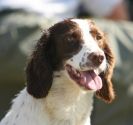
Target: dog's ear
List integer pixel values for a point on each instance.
(107, 92)
(39, 72)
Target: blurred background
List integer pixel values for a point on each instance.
(22, 23)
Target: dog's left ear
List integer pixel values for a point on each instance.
(106, 92)
(39, 70)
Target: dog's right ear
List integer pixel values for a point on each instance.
(39, 72)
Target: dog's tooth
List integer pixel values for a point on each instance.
(84, 79)
(74, 71)
(78, 74)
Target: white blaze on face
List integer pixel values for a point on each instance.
(89, 45)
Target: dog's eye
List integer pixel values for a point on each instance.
(71, 41)
(96, 34)
(98, 37)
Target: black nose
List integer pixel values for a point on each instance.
(96, 58)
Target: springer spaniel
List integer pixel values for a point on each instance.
(70, 63)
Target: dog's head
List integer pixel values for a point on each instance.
(79, 48)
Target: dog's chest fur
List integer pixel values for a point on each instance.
(65, 104)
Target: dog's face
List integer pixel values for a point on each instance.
(85, 65)
(79, 48)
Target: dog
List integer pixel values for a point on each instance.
(70, 63)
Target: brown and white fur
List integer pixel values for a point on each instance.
(52, 97)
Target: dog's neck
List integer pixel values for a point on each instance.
(66, 104)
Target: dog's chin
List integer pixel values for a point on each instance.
(88, 79)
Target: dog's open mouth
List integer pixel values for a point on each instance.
(87, 79)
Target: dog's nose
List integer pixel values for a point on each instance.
(96, 58)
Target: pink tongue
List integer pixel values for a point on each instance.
(92, 81)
